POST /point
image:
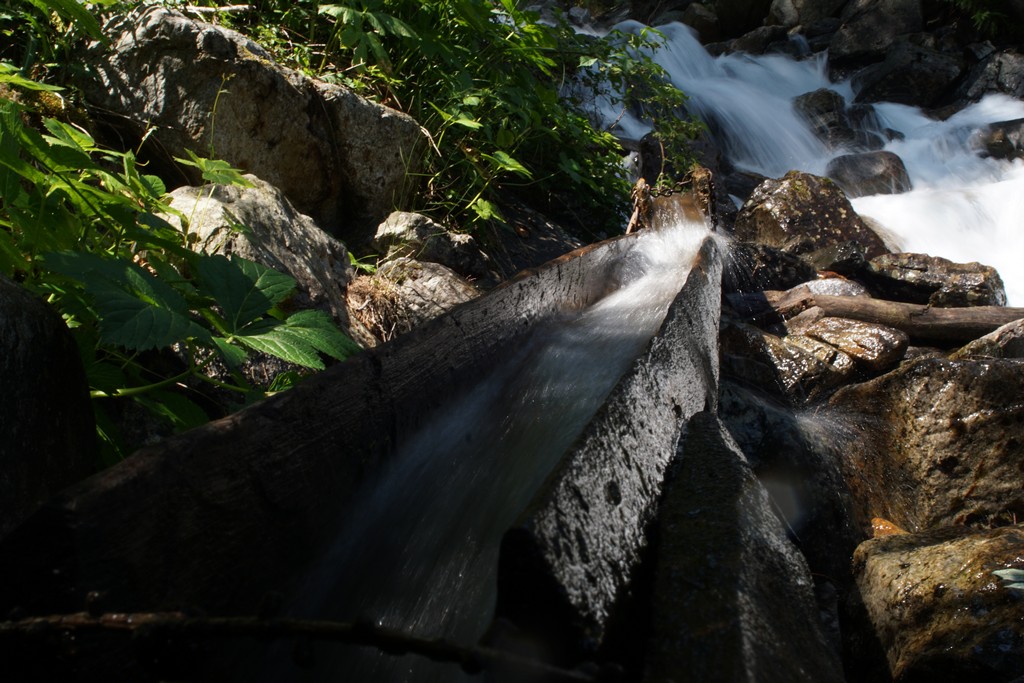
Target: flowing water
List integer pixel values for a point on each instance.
(419, 552)
(963, 207)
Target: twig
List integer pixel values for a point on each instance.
(218, 10)
(390, 641)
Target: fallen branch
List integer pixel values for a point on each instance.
(218, 10)
(920, 322)
(177, 625)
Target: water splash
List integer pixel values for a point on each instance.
(419, 551)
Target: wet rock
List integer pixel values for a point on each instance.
(756, 267)
(258, 223)
(1001, 72)
(1004, 140)
(405, 293)
(911, 74)
(184, 85)
(923, 279)
(703, 20)
(715, 617)
(46, 418)
(758, 41)
(413, 235)
(800, 212)
(936, 608)
(936, 442)
(566, 568)
(876, 348)
(835, 286)
(1006, 342)
(825, 110)
(845, 258)
(869, 173)
(870, 27)
(533, 240)
(736, 17)
(790, 13)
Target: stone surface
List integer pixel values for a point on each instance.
(1002, 72)
(759, 40)
(869, 173)
(800, 212)
(47, 435)
(790, 13)
(415, 236)
(703, 20)
(938, 611)
(258, 223)
(935, 442)
(924, 279)
(911, 74)
(184, 85)
(870, 27)
(1003, 140)
(1006, 342)
(825, 110)
(755, 267)
(405, 293)
(736, 17)
(566, 568)
(716, 617)
(876, 348)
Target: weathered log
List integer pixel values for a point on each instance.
(922, 323)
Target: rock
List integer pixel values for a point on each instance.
(870, 27)
(533, 240)
(923, 279)
(910, 74)
(47, 433)
(869, 173)
(935, 442)
(825, 110)
(184, 85)
(1001, 72)
(755, 267)
(845, 258)
(936, 608)
(1003, 140)
(800, 212)
(1006, 342)
(714, 615)
(404, 293)
(567, 567)
(415, 236)
(876, 348)
(758, 41)
(835, 286)
(736, 17)
(272, 233)
(703, 20)
(790, 13)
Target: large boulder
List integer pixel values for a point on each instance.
(870, 27)
(736, 17)
(753, 267)
(936, 608)
(825, 110)
(911, 73)
(870, 173)
(183, 85)
(1003, 140)
(935, 442)
(412, 235)
(924, 279)
(47, 434)
(801, 212)
(1001, 72)
(1005, 342)
(791, 13)
(715, 616)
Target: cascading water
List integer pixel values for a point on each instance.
(419, 549)
(962, 207)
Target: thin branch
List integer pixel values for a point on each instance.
(390, 641)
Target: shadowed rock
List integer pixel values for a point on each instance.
(924, 279)
(870, 173)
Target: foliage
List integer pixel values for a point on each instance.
(488, 81)
(988, 17)
(81, 225)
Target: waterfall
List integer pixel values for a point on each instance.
(418, 551)
(962, 207)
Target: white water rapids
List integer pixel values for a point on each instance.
(963, 208)
(419, 550)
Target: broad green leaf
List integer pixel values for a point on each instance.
(182, 412)
(244, 290)
(507, 163)
(215, 171)
(318, 329)
(66, 134)
(232, 355)
(11, 74)
(284, 380)
(299, 338)
(485, 210)
(73, 10)
(279, 343)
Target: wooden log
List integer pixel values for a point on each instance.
(922, 323)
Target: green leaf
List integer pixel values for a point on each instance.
(233, 355)
(215, 171)
(11, 74)
(299, 338)
(319, 331)
(182, 412)
(277, 342)
(75, 11)
(244, 290)
(485, 210)
(507, 163)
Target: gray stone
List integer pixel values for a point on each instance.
(923, 279)
(736, 17)
(869, 173)
(1003, 140)
(703, 20)
(184, 85)
(910, 74)
(801, 212)
(791, 13)
(1001, 72)
(1005, 342)
(405, 293)
(758, 41)
(716, 616)
(935, 442)
(47, 434)
(825, 110)
(413, 235)
(756, 267)
(876, 348)
(936, 608)
(870, 27)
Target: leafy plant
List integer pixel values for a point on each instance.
(82, 226)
